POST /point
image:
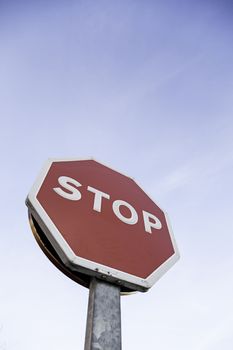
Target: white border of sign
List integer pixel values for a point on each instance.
(77, 263)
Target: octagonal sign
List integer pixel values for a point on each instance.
(100, 222)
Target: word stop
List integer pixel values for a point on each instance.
(71, 185)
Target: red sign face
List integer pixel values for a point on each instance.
(103, 221)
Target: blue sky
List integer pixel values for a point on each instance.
(147, 88)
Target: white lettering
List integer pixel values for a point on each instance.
(69, 190)
(98, 198)
(155, 223)
(132, 220)
(66, 182)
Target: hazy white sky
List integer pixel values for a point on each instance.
(146, 87)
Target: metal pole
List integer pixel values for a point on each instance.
(103, 330)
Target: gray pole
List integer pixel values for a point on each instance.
(103, 330)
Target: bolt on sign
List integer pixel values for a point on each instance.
(99, 222)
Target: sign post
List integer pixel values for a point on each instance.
(102, 230)
(103, 329)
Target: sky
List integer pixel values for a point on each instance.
(146, 87)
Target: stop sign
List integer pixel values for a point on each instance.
(100, 222)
